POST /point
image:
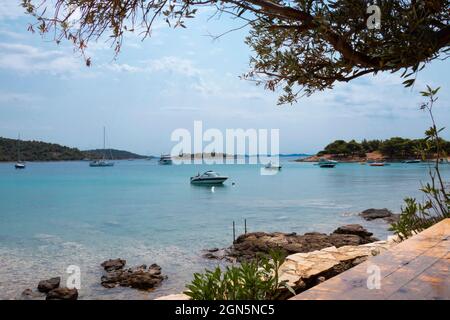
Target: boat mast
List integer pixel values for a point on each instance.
(18, 148)
(104, 144)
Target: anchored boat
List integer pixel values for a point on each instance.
(19, 164)
(209, 177)
(165, 159)
(412, 161)
(273, 166)
(325, 163)
(377, 164)
(102, 162)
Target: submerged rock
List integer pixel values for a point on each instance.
(355, 229)
(62, 294)
(385, 214)
(248, 246)
(48, 285)
(29, 294)
(113, 264)
(139, 277)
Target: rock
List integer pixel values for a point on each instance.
(138, 277)
(50, 284)
(355, 229)
(62, 294)
(113, 264)
(29, 294)
(247, 246)
(305, 270)
(385, 214)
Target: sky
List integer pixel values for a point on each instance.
(178, 76)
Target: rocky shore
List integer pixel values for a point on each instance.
(312, 257)
(139, 277)
(371, 156)
(248, 246)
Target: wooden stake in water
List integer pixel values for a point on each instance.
(234, 232)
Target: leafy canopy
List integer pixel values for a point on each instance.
(300, 46)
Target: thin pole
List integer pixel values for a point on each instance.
(234, 232)
(245, 226)
(104, 142)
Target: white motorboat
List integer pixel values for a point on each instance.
(165, 159)
(209, 177)
(271, 165)
(327, 163)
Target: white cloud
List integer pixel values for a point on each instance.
(11, 34)
(14, 97)
(29, 59)
(10, 9)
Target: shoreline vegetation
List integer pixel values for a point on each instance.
(395, 149)
(44, 151)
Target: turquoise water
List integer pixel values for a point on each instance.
(53, 215)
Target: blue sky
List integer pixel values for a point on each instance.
(178, 76)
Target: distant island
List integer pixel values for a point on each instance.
(392, 149)
(43, 151)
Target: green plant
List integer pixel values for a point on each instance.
(253, 280)
(416, 216)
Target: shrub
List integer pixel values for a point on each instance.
(254, 280)
(415, 216)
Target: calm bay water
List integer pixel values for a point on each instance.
(53, 215)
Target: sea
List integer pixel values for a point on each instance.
(54, 215)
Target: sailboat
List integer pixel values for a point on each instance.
(102, 162)
(19, 164)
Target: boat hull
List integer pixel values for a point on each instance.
(19, 166)
(101, 164)
(165, 162)
(327, 165)
(208, 181)
(377, 164)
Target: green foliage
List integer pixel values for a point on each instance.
(393, 148)
(37, 151)
(300, 46)
(254, 280)
(416, 216)
(43, 151)
(115, 154)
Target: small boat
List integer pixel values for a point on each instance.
(325, 163)
(377, 164)
(165, 159)
(102, 162)
(271, 165)
(412, 161)
(19, 164)
(209, 177)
